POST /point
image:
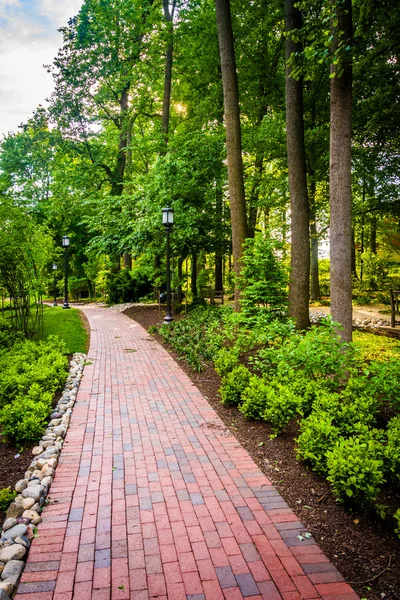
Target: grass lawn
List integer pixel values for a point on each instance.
(68, 326)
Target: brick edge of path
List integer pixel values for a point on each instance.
(154, 498)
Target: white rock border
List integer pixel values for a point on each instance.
(365, 322)
(23, 514)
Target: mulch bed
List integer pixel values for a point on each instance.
(361, 546)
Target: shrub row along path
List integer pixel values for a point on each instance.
(154, 498)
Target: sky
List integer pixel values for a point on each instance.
(28, 40)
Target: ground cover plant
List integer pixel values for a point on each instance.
(345, 402)
(30, 374)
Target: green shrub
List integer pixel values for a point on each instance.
(263, 277)
(8, 335)
(226, 360)
(32, 362)
(397, 517)
(234, 384)
(24, 420)
(392, 449)
(6, 497)
(283, 406)
(255, 397)
(317, 436)
(355, 467)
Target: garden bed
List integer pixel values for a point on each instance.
(358, 543)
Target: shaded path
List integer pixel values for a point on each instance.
(154, 498)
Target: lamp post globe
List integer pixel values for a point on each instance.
(65, 243)
(168, 220)
(54, 267)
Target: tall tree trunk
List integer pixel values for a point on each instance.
(353, 254)
(218, 283)
(299, 294)
(233, 135)
(340, 169)
(193, 274)
(373, 234)
(127, 260)
(315, 289)
(179, 295)
(169, 16)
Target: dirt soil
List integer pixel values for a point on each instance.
(361, 546)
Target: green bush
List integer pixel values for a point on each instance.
(396, 516)
(255, 397)
(392, 449)
(283, 406)
(6, 497)
(234, 384)
(317, 436)
(8, 335)
(31, 362)
(226, 360)
(263, 277)
(356, 468)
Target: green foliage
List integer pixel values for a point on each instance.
(196, 338)
(255, 397)
(30, 373)
(317, 435)
(356, 468)
(25, 419)
(226, 360)
(6, 497)
(392, 448)
(8, 335)
(396, 516)
(234, 384)
(263, 278)
(122, 287)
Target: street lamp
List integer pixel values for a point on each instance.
(65, 243)
(168, 221)
(55, 285)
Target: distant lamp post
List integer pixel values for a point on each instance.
(55, 284)
(168, 221)
(65, 243)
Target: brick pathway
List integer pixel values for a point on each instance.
(153, 498)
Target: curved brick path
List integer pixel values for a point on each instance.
(153, 498)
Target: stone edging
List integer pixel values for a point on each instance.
(364, 322)
(23, 514)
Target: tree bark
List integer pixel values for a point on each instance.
(315, 288)
(169, 16)
(299, 294)
(340, 170)
(193, 274)
(127, 260)
(218, 282)
(233, 135)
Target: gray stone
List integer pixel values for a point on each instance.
(14, 510)
(21, 485)
(12, 552)
(13, 569)
(47, 481)
(33, 491)
(37, 450)
(2, 565)
(60, 430)
(23, 520)
(15, 532)
(54, 422)
(6, 590)
(40, 463)
(36, 475)
(23, 540)
(52, 462)
(27, 503)
(36, 507)
(8, 523)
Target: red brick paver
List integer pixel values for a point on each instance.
(154, 498)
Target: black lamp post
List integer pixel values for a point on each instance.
(168, 220)
(55, 284)
(65, 243)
